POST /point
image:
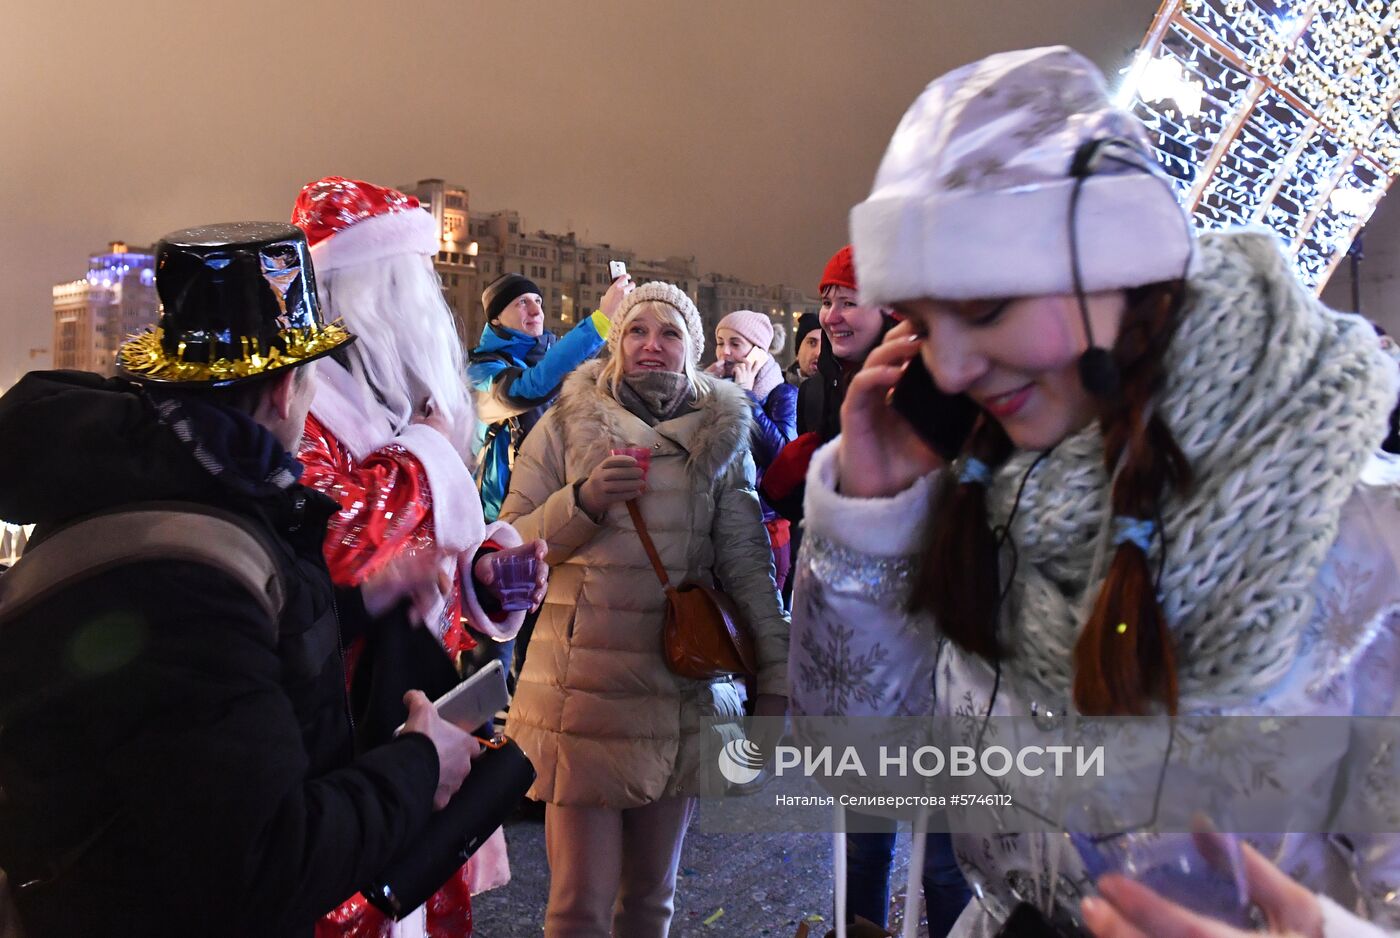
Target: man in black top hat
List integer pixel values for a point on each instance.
(175, 747)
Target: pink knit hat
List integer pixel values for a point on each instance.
(754, 326)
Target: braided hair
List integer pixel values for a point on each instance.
(1124, 659)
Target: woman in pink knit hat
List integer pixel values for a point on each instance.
(742, 340)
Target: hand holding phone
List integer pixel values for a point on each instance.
(456, 748)
(620, 287)
(881, 453)
(745, 373)
(943, 421)
(475, 701)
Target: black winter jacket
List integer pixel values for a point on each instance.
(820, 397)
(150, 715)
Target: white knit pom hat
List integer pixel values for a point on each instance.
(658, 292)
(972, 198)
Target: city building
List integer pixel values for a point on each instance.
(93, 315)
(118, 297)
(572, 274)
(720, 295)
(455, 263)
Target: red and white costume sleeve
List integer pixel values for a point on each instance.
(399, 492)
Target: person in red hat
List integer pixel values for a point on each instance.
(850, 331)
(389, 437)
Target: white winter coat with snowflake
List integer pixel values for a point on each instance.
(855, 652)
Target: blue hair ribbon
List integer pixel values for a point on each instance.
(1139, 531)
(974, 472)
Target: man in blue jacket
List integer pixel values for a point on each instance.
(517, 368)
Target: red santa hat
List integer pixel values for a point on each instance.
(348, 222)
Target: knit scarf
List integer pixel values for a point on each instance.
(769, 377)
(654, 396)
(1277, 402)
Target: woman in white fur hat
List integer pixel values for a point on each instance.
(621, 744)
(1168, 503)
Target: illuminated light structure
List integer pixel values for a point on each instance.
(1284, 113)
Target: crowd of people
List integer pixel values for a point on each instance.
(1141, 476)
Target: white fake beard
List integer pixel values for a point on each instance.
(408, 350)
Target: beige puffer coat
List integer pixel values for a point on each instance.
(600, 715)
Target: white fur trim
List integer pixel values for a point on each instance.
(345, 407)
(413, 925)
(458, 524)
(1337, 922)
(489, 867)
(959, 245)
(880, 527)
(411, 231)
(505, 535)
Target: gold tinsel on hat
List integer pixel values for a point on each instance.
(142, 355)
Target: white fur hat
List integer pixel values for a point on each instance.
(972, 198)
(659, 292)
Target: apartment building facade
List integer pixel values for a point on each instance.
(92, 316)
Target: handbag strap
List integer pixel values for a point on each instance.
(635, 511)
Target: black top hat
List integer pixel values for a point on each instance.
(237, 301)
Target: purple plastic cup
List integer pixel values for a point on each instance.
(515, 579)
(639, 453)
(1172, 866)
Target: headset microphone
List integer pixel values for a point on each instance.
(1098, 372)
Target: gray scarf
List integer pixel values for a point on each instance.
(654, 396)
(1277, 402)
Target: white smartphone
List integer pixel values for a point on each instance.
(475, 701)
(616, 269)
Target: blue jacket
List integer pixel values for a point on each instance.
(774, 426)
(514, 379)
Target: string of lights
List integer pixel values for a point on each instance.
(1284, 113)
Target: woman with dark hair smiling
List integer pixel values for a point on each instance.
(1168, 505)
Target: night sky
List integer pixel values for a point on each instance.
(740, 132)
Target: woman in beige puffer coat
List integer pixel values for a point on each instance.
(622, 745)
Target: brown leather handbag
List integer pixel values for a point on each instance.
(704, 637)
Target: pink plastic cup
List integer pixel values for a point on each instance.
(639, 453)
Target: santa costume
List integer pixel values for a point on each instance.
(389, 437)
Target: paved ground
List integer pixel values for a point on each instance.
(732, 885)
